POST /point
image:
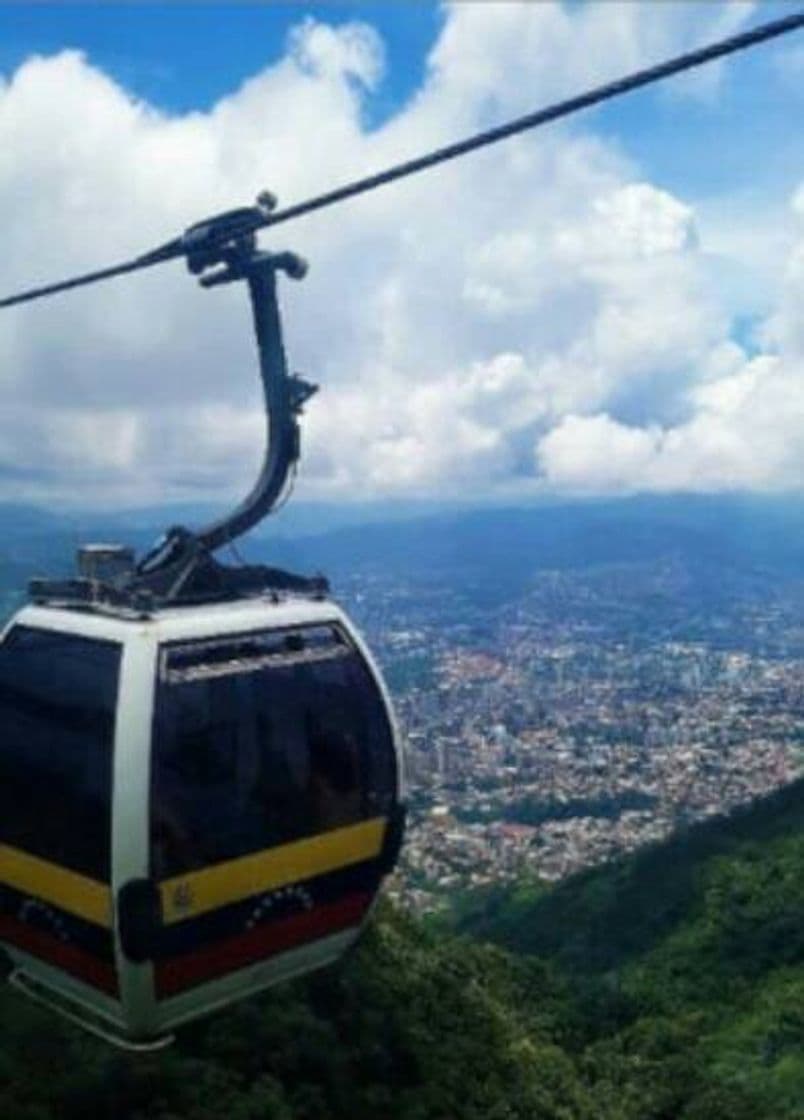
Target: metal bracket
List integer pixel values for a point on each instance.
(180, 568)
(220, 252)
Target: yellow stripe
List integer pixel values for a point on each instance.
(187, 896)
(66, 889)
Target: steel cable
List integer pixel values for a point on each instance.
(565, 108)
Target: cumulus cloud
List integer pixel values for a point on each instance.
(744, 425)
(538, 316)
(354, 50)
(745, 433)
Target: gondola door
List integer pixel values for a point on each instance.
(273, 779)
(58, 700)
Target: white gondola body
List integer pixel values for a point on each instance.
(43, 902)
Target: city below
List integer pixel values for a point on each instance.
(589, 714)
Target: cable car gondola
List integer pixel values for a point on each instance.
(200, 778)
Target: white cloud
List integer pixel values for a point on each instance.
(745, 432)
(534, 316)
(354, 49)
(595, 453)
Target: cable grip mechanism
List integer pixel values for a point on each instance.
(222, 250)
(181, 568)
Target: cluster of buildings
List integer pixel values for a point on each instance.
(540, 741)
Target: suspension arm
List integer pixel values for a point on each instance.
(283, 394)
(167, 566)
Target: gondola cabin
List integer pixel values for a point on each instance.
(200, 781)
(195, 803)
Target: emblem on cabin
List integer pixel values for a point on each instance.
(182, 898)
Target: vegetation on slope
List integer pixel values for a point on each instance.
(666, 986)
(413, 1025)
(686, 963)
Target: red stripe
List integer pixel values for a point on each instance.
(69, 958)
(257, 944)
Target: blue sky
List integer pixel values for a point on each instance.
(186, 56)
(605, 306)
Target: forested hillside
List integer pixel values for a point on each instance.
(685, 964)
(667, 985)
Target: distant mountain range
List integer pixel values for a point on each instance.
(763, 537)
(733, 533)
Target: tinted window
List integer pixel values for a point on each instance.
(58, 695)
(264, 739)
